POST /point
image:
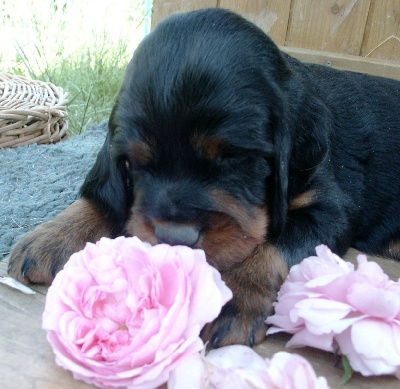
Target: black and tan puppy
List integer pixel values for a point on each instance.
(220, 141)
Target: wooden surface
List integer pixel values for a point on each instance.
(338, 26)
(376, 67)
(366, 30)
(27, 361)
(162, 9)
(382, 33)
(271, 16)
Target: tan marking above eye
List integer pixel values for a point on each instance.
(141, 152)
(209, 146)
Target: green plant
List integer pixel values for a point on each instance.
(82, 47)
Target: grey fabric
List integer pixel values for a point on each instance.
(38, 182)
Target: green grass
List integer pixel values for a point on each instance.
(81, 46)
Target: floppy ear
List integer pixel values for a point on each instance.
(301, 145)
(107, 185)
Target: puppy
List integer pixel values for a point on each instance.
(219, 141)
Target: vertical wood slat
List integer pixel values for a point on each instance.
(382, 33)
(162, 9)
(272, 16)
(328, 25)
(358, 27)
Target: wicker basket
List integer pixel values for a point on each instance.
(31, 111)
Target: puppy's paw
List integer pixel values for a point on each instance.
(254, 283)
(235, 326)
(39, 255)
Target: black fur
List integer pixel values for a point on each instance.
(334, 132)
(220, 141)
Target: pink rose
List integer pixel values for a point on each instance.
(239, 367)
(327, 304)
(124, 314)
(227, 367)
(291, 371)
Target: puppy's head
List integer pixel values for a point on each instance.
(199, 129)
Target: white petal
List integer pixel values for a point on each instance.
(16, 285)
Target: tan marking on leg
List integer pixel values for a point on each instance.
(254, 283)
(43, 252)
(394, 249)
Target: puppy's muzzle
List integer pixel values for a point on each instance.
(176, 234)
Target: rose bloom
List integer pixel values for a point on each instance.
(292, 371)
(239, 367)
(327, 304)
(123, 313)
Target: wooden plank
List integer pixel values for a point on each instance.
(162, 9)
(382, 33)
(335, 26)
(27, 360)
(272, 16)
(376, 67)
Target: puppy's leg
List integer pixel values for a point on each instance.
(39, 255)
(254, 283)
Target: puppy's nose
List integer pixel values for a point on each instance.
(177, 234)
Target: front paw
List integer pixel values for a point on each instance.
(236, 326)
(255, 283)
(39, 255)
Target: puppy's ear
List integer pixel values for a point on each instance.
(107, 185)
(283, 144)
(301, 145)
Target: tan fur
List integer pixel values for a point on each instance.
(233, 233)
(394, 249)
(210, 147)
(303, 200)
(141, 152)
(231, 236)
(254, 283)
(49, 246)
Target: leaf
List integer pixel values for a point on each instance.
(348, 371)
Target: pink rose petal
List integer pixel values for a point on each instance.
(372, 346)
(373, 301)
(291, 371)
(124, 314)
(240, 367)
(327, 304)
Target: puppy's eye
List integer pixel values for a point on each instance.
(127, 171)
(228, 154)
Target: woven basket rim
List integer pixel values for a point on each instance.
(31, 111)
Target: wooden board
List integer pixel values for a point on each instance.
(27, 361)
(272, 16)
(162, 9)
(367, 28)
(382, 32)
(376, 67)
(326, 25)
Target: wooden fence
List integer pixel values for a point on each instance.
(358, 35)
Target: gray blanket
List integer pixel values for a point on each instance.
(38, 182)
